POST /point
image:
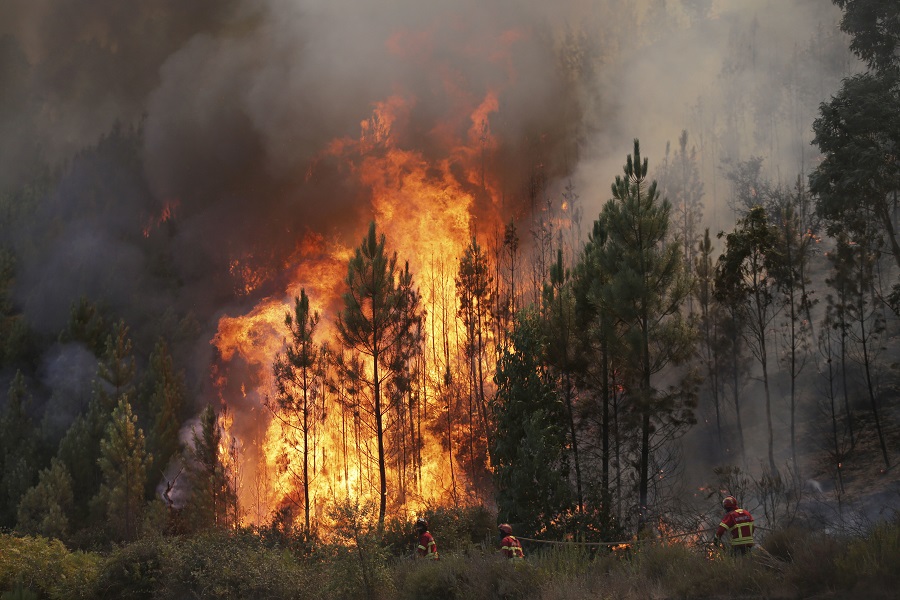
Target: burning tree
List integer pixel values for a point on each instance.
(474, 288)
(380, 318)
(213, 494)
(299, 380)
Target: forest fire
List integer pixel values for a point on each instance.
(426, 210)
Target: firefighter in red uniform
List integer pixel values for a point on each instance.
(509, 545)
(739, 523)
(427, 547)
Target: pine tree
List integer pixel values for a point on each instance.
(530, 464)
(559, 308)
(299, 381)
(80, 447)
(16, 341)
(46, 509)
(19, 445)
(645, 293)
(123, 462)
(595, 339)
(380, 318)
(167, 400)
(212, 493)
(474, 287)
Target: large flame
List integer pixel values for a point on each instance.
(425, 207)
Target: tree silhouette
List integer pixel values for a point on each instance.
(380, 319)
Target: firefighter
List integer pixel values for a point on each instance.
(427, 547)
(509, 545)
(739, 523)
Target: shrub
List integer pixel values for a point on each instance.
(875, 557)
(43, 565)
(809, 558)
(222, 565)
(455, 529)
(482, 576)
(134, 571)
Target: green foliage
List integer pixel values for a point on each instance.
(168, 397)
(46, 508)
(19, 592)
(875, 557)
(858, 132)
(136, 570)
(87, 325)
(47, 567)
(212, 496)
(357, 560)
(16, 341)
(18, 450)
(644, 291)
(456, 529)
(300, 379)
(211, 565)
(123, 462)
(875, 28)
(531, 468)
(490, 577)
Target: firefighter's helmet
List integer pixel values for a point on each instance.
(421, 524)
(729, 503)
(505, 529)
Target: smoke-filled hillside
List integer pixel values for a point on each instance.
(193, 202)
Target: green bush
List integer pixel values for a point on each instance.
(455, 529)
(45, 566)
(222, 565)
(809, 556)
(875, 557)
(134, 571)
(488, 577)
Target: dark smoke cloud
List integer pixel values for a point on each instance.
(235, 101)
(222, 109)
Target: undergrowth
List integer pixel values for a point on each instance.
(793, 563)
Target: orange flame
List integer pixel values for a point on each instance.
(425, 208)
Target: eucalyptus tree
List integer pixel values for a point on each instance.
(645, 293)
(858, 132)
(381, 316)
(794, 237)
(867, 325)
(680, 183)
(710, 325)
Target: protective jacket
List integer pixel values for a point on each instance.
(511, 547)
(740, 524)
(427, 547)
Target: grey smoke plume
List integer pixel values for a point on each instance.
(237, 99)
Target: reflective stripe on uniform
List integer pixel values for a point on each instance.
(741, 533)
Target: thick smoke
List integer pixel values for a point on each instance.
(236, 100)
